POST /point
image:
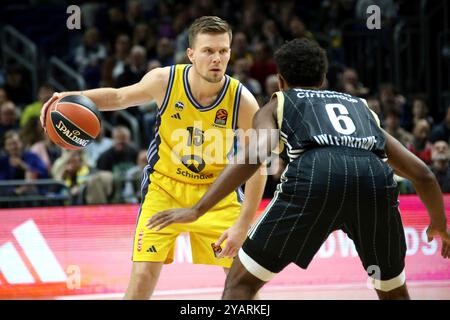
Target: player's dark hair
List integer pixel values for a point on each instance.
(208, 24)
(302, 62)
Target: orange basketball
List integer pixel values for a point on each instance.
(72, 122)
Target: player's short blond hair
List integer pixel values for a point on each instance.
(208, 24)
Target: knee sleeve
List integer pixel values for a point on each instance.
(391, 284)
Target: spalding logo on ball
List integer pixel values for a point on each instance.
(73, 122)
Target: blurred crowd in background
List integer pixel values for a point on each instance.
(120, 41)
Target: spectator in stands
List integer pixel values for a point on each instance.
(8, 119)
(251, 20)
(85, 185)
(241, 71)
(133, 73)
(3, 96)
(39, 143)
(420, 145)
(419, 111)
(135, 69)
(47, 151)
(164, 21)
(240, 48)
(121, 156)
(20, 164)
(392, 126)
(118, 159)
(97, 147)
(116, 25)
(329, 20)
(298, 29)
(17, 87)
(350, 83)
(165, 52)
(182, 37)
(135, 12)
(89, 56)
(114, 65)
(145, 37)
(34, 110)
(31, 133)
(153, 64)
(131, 191)
(441, 164)
(284, 13)
(374, 104)
(390, 100)
(270, 87)
(263, 64)
(271, 35)
(75, 173)
(441, 131)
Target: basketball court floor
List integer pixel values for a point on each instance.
(419, 290)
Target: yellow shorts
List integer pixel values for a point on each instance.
(165, 193)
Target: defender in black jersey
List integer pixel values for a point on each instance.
(339, 176)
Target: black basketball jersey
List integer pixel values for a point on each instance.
(314, 118)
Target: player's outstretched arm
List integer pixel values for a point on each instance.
(232, 176)
(407, 165)
(254, 187)
(151, 86)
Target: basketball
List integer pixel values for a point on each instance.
(72, 122)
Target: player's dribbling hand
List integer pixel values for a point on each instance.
(445, 237)
(235, 237)
(54, 97)
(165, 218)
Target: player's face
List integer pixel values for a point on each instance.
(209, 55)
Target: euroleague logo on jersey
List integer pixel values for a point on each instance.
(221, 117)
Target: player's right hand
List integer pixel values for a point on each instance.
(445, 237)
(46, 105)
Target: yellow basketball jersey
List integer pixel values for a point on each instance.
(192, 142)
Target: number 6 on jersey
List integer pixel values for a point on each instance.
(336, 118)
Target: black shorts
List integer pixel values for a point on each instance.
(324, 190)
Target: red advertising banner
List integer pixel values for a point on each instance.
(72, 251)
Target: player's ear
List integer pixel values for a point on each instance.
(281, 82)
(190, 54)
(323, 82)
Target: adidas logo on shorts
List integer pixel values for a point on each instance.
(152, 249)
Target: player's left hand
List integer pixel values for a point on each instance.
(235, 237)
(444, 234)
(165, 218)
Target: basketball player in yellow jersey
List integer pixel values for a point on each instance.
(184, 158)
